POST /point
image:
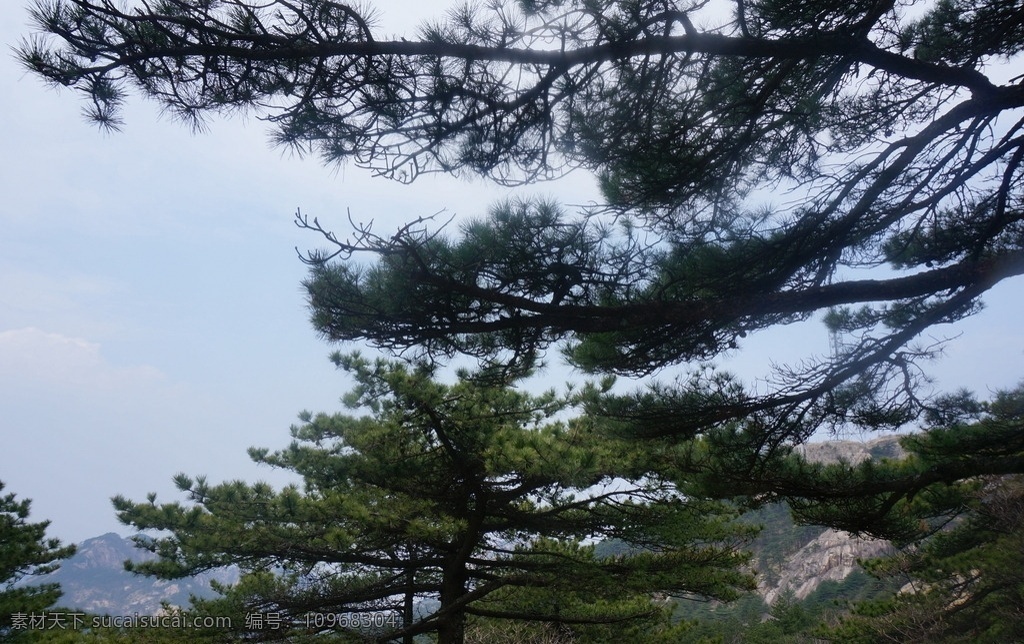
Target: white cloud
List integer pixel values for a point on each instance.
(31, 356)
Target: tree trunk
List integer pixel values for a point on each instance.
(407, 608)
(452, 628)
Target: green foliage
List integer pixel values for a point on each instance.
(907, 499)
(588, 609)
(788, 620)
(25, 550)
(899, 140)
(964, 583)
(749, 619)
(953, 503)
(963, 33)
(961, 535)
(903, 148)
(527, 245)
(473, 494)
(902, 145)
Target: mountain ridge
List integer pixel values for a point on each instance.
(94, 580)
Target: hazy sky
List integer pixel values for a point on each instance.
(151, 314)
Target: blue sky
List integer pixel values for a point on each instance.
(151, 314)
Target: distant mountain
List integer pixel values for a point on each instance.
(94, 580)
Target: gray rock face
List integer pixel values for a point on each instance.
(833, 554)
(853, 451)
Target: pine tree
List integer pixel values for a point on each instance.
(463, 494)
(891, 125)
(962, 561)
(25, 551)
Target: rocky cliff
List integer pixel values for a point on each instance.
(815, 555)
(832, 555)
